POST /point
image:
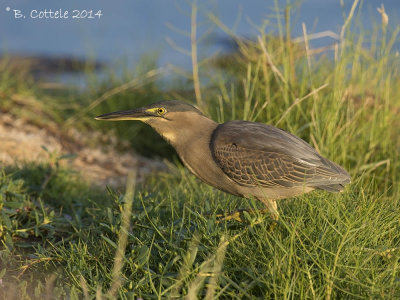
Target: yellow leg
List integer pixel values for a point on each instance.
(272, 207)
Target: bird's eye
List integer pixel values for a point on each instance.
(161, 111)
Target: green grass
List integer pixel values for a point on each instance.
(344, 244)
(64, 239)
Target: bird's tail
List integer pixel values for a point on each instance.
(335, 188)
(339, 180)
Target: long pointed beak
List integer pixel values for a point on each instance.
(134, 114)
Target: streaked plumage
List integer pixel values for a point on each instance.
(243, 158)
(254, 154)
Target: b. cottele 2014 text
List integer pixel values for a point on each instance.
(59, 14)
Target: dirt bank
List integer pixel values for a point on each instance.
(22, 141)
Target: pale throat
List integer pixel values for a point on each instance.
(192, 129)
(170, 136)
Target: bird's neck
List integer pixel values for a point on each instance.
(194, 129)
(192, 142)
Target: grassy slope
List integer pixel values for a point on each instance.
(325, 245)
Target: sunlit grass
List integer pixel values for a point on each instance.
(61, 238)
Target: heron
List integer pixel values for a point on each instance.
(242, 158)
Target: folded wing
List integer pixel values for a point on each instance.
(254, 154)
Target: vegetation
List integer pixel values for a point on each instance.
(63, 238)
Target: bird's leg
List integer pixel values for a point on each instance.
(272, 208)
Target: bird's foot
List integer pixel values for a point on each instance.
(272, 226)
(234, 215)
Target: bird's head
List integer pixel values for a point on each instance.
(161, 112)
(167, 117)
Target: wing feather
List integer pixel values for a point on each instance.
(254, 154)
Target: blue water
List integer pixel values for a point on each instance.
(130, 29)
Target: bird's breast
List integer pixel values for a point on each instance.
(197, 157)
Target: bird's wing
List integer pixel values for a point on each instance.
(254, 154)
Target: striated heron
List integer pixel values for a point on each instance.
(242, 158)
